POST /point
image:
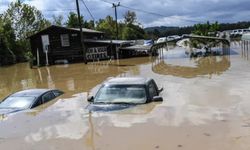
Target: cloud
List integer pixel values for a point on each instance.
(170, 12)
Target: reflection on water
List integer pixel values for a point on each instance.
(202, 66)
(245, 46)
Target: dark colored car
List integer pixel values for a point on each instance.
(27, 99)
(127, 92)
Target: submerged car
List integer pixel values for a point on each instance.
(126, 92)
(27, 99)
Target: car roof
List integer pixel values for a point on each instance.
(127, 80)
(31, 92)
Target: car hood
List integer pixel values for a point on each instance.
(4, 111)
(108, 107)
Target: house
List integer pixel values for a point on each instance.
(60, 43)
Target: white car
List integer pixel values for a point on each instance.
(161, 40)
(173, 37)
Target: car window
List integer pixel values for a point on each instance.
(57, 93)
(152, 90)
(37, 103)
(47, 97)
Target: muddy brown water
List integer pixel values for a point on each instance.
(206, 106)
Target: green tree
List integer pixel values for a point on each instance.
(7, 42)
(72, 21)
(89, 24)
(131, 29)
(25, 20)
(107, 25)
(130, 17)
(132, 32)
(206, 28)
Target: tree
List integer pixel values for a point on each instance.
(25, 19)
(206, 28)
(156, 32)
(107, 25)
(131, 30)
(7, 42)
(89, 24)
(130, 17)
(57, 20)
(72, 21)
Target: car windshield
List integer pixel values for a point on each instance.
(134, 94)
(22, 102)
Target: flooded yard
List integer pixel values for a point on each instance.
(206, 105)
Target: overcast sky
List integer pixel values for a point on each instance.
(164, 12)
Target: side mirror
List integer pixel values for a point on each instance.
(157, 99)
(160, 90)
(90, 98)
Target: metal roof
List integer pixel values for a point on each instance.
(137, 47)
(85, 30)
(108, 41)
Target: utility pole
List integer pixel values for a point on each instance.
(83, 48)
(116, 24)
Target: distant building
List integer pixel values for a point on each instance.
(61, 43)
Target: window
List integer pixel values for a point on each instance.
(65, 40)
(45, 42)
(57, 93)
(47, 97)
(37, 103)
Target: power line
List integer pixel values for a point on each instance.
(88, 10)
(62, 10)
(147, 12)
(153, 13)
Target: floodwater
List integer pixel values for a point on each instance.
(206, 105)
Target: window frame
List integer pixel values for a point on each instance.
(65, 40)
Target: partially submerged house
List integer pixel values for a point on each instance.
(60, 43)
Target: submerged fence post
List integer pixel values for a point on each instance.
(47, 59)
(38, 58)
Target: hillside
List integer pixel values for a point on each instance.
(160, 31)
